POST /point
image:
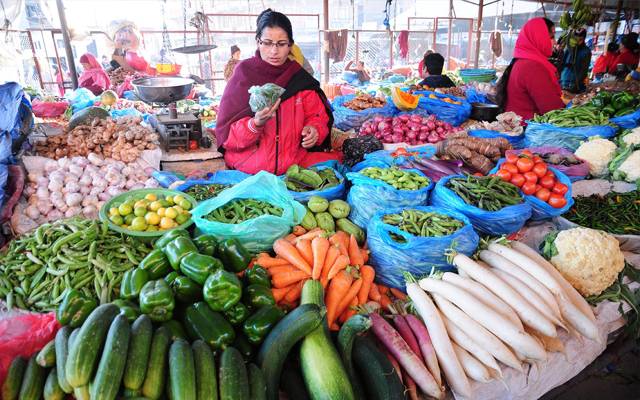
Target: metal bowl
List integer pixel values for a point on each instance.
(484, 112)
(163, 90)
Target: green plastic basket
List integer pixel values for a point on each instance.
(139, 194)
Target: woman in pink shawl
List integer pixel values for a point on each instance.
(93, 78)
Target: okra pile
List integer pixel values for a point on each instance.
(486, 192)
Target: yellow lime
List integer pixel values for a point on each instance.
(166, 223)
(185, 204)
(178, 209)
(138, 224)
(178, 198)
(164, 203)
(116, 219)
(113, 211)
(152, 218)
(125, 209)
(141, 203)
(152, 228)
(128, 219)
(151, 197)
(169, 200)
(154, 206)
(140, 211)
(161, 211)
(182, 218)
(171, 213)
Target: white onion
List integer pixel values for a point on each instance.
(95, 159)
(73, 199)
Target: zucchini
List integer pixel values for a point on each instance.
(33, 381)
(138, 357)
(128, 393)
(85, 349)
(322, 368)
(72, 339)
(107, 381)
(206, 379)
(82, 393)
(182, 372)
(52, 389)
(11, 385)
(293, 384)
(257, 383)
(279, 342)
(380, 380)
(62, 351)
(153, 386)
(355, 325)
(234, 383)
(175, 328)
(47, 355)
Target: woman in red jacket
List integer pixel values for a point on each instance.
(628, 52)
(529, 85)
(276, 138)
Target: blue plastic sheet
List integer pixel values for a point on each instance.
(455, 114)
(516, 141)
(345, 118)
(537, 134)
(507, 220)
(256, 234)
(80, 99)
(14, 107)
(628, 121)
(332, 193)
(368, 196)
(418, 255)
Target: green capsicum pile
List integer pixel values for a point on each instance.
(615, 104)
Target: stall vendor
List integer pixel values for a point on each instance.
(433, 64)
(275, 138)
(93, 77)
(530, 85)
(629, 55)
(605, 64)
(576, 62)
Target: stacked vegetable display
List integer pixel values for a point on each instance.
(330, 216)
(419, 223)
(487, 193)
(240, 210)
(614, 104)
(410, 129)
(574, 117)
(399, 179)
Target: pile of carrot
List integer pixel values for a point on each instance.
(336, 260)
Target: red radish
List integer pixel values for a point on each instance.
(411, 387)
(431, 125)
(439, 130)
(433, 138)
(416, 119)
(393, 362)
(423, 136)
(424, 340)
(383, 126)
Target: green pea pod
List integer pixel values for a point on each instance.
(257, 296)
(168, 237)
(257, 276)
(156, 264)
(75, 308)
(258, 325)
(206, 244)
(177, 249)
(128, 309)
(237, 314)
(198, 267)
(186, 290)
(157, 301)
(222, 290)
(201, 322)
(233, 255)
(132, 283)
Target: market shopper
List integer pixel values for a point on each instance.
(233, 61)
(421, 71)
(605, 63)
(629, 53)
(276, 138)
(530, 85)
(93, 77)
(576, 62)
(433, 65)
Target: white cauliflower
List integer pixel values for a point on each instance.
(632, 137)
(598, 153)
(630, 168)
(589, 259)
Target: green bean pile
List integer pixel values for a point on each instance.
(396, 177)
(420, 223)
(573, 117)
(75, 253)
(240, 210)
(617, 213)
(486, 192)
(206, 191)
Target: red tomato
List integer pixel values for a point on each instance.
(527, 153)
(560, 188)
(531, 177)
(518, 180)
(543, 194)
(524, 164)
(512, 158)
(537, 159)
(538, 187)
(550, 173)
(557, 201)
(528, 188)
(510, 167)
(504, 174)
(540, 169)
(478, 174)
(547, 182)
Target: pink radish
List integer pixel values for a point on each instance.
(424, 340)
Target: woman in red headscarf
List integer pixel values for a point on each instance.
(300, 121)
(529, 85)
(93, 78)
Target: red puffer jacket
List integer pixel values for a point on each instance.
(277, 145)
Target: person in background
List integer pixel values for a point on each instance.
(296, 55)
(530, 85)
(362, 74)
(421, 72)
(433, 64)
(575, 64)
(105, 62)
(93, 77)
(59, 79)
(233, 61)
(628, 53)
(605, 63)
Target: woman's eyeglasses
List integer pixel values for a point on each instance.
(269, 44)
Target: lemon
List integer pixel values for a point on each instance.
(182, 218)
(169, 201)
(138, 224)
(140, 211)
(125, 209)
(154, 206)
(166, 223)
(152, 218)
(178, 198)
(116, 219)
(128, 219)
(141, 203)
(114, 211)
(171, 213)
(184, 203)
(178, 209)
(161, 211)
(151, 197)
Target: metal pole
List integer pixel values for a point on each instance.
(325, 27)
(479, 31)
(67, 44)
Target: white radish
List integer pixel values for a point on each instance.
(458, 336)
(497, 261)
(500, 326)
(570, 291)
(472, 367)
(449, 363)
(568, 309)
(481, 335)
(527, 313)
(483, 294)
(550, 344)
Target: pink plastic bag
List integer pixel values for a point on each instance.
(46, 109)
(574, 172)
(23, 335)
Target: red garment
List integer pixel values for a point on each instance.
(421, 69)
(94, 78)
(605, 63)
(627, 57)
(250, 149)
(530, 91)
(403, 43)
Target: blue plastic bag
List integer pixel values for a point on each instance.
(256, 234)
(455, 114)
(473, 96)
(345, 118)
(516, 141)
(384, 158)
(628, 121)
(332, 193)
(125, 112)
(14, 108)
(537, 134)
(80, 99)
(507, 220)
(419, 254)
(227, 176)
(368, 196)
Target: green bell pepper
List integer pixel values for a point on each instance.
(201, 322)
(156, 300)
(75, 308)
(186, 290)
(206, 244)
(132, 283)
(198, 267)
(156, 264)
(257, 276)
(622, 100)
(222, 290)
(176, 329)
(128, 309)
(237, 314)
(257, 296)
(168, 237)
(624, 111)
(177, 249)
(258, 325)
(171, 277)
(233, 255)
(244, 347)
